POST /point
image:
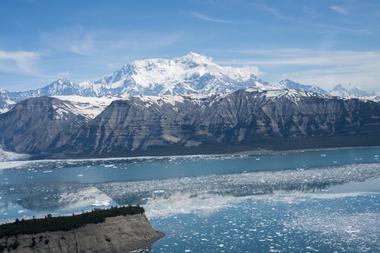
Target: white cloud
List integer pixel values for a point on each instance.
(365, 76)
(340, 9)
(316, 21)
(269, 9)
(97, 52)
(325, 68)
(74, 39)
(203, 17)
(93, 43)
(19, 62)
(299, 56)
(317, 58)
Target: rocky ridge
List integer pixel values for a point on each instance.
(241, 120)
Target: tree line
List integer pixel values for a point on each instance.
(65, 223)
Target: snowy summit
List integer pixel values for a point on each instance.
(190, 74)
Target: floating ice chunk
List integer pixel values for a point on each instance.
(90, 196)
(204, 195)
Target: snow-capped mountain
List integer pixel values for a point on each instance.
(343, 91)
(180, 104)
(61, 87)
(189, 74)
(193, 74)
(5, 101)
(289, 84)
(349, 91)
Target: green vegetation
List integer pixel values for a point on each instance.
(65, 223)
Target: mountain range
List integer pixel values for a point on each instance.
(186, 105)
(192, 74)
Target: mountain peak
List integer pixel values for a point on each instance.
(339, 87)
(289, 84)
(61, 81)
(349, 90)
(192, 73)
(196, 58)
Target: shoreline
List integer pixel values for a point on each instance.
(20, 163)
(147, 244)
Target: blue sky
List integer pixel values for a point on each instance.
(315, 42)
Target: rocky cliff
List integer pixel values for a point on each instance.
(242, 120)
(37, 125)
(116, 234)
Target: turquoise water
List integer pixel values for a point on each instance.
(301, 201)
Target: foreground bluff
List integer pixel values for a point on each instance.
(242, 120)
(118, 234)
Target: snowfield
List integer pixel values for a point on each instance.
(89, 107)
(11, 156)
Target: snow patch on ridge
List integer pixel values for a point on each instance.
(160, 100)
(89, 107)
(11, 156)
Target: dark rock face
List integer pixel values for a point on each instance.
(238, 121)
(38, 125)
(243, 118)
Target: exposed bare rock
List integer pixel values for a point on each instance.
(165, 125)
(116, 235)
(244, 119)
(37, 125)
